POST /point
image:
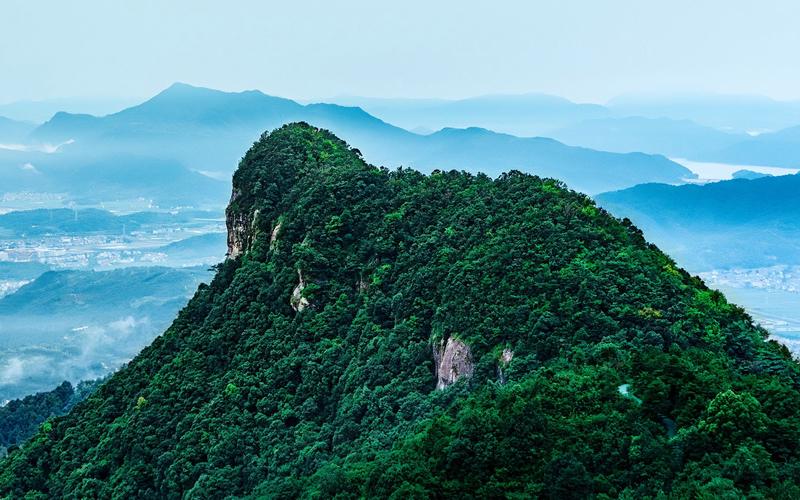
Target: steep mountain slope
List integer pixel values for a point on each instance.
(206, 130)
(386, 333)
(748, 223)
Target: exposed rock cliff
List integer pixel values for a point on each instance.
(274, 236)
(453, 361)
(240, 228)
(505, 359)
(298, 302)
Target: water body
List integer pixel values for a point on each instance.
(713, 172)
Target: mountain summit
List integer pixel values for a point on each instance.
(388, 333)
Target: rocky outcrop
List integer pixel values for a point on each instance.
(240, 227)
(274, 236)
(238, 237)
(297, 301)
(453, 361)
(505, 359)
(362, 286)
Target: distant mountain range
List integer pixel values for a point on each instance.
(522, 115)
(734, 113)
(40, 111)
(541, 114)
(737, 223)
(685, 139)
(202, 129)
(780, 149)
(179, 147)
(189, 129)
(702, 127)
(674, 138)
(734, 129)
(583, 169)
(13, 131)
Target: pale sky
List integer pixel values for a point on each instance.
(589, 50)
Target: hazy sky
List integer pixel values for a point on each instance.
(587, 50)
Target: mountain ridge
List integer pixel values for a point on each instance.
(674, 138)
(201, 143)
(392, 333)
(734, 223)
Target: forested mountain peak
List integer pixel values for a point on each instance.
(379, 333)
(270, 170)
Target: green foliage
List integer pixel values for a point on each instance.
(732, 418)
(20, 418)
(247, 397)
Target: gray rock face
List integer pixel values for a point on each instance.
(274, 236)
(238, 237)
(240, 228)
(453, 361)
(298, 302)
(505, 359)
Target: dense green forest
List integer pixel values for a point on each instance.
(392, 334)
(20, 418)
